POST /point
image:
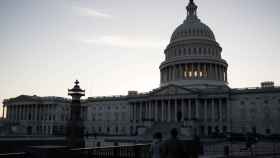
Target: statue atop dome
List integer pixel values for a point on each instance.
(191, 9)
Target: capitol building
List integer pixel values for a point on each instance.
(193, 97)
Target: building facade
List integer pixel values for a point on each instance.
(193, 96)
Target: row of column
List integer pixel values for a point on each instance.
(177, 110)
(31, 112)
(194, 71)
(175, 52)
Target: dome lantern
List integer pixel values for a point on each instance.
(191, 9)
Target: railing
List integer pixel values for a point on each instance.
(213, 150)
(261, 149)
(137, 151)
(14, 155)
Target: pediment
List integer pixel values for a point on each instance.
(24, 98)
(173, 90)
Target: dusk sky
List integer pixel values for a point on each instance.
(113, 46)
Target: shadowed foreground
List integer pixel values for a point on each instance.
(192, 150)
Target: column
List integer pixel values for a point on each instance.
(156, 110)
(163, 76)
(36, 112)
(21, 111)
(13, 112)
(133, 112)
(167, 74)
(176, 109)
(197, 109)
(144, 110)
(213, 110)
(228, 110)
(3, 107)
(174, 72)
(222, 73)
(25, 112)
(190, 109)
(168, 111)
(33, 113)
(183, 109)
(205, 110)
(185, 71)
(226, 75)
(150, 110)
(219, 72)
(30, 111)
(181, 74)
(210, 72)
(198, 70)
(17, 112)
(170, 73)
(140, 111)
(162, 110)
(204, 70)
(7, 112)
(130, 112)
(10, 112)
(223, 76)
(192, 70)
(220, 110)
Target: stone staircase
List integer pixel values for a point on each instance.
(163, 127)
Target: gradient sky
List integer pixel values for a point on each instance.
(113, 46)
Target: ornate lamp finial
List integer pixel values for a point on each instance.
(76, 82)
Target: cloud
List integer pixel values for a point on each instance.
(127, 42)
(91, 12)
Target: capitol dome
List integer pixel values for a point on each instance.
(192, 29)
(193, 56)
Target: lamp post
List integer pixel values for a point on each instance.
(74, 131)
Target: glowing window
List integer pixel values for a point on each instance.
(195, 73)
(185, 74)
(190, 74)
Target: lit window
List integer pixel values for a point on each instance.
(195, 73)
(190, 74)
(185, 74)
(200, 74)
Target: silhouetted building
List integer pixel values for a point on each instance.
(193, 97)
